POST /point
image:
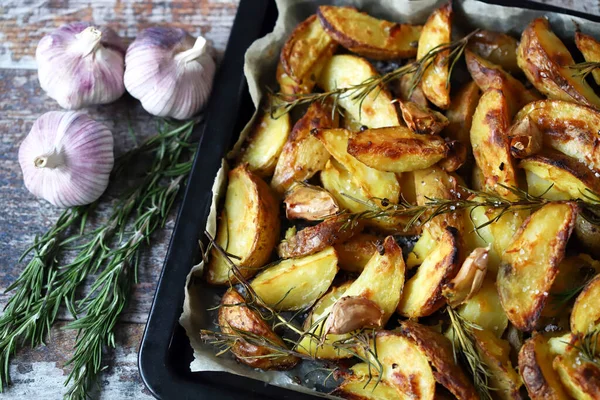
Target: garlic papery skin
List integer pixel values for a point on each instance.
(81, 65)
(66, 158)
(169, 72)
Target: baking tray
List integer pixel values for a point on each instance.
(165, 353)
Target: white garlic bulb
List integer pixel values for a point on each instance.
(81, 65)
(67, 158)
(169, 72)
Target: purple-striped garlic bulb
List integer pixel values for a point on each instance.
(81, 65)
(169, 72)
(66, 158)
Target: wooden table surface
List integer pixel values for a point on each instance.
(40, 373)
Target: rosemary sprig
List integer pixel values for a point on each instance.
(451, 53)
(465, 349)
(583, 69)
(587, 347)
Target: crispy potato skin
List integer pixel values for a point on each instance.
(460, 114)
(535, 365)
(396, 149)
(355, 253)
(498, 48)
(235, 316)
(422, 120)
(368, 36)
(590, 48)
(438, 350)
(585, 316)
(315, 238)
(303, 155)
(248, 228)
(436, 31)
(545, 61)
(579, 377)
(530, 264)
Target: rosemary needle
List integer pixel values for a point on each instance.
(583, 69)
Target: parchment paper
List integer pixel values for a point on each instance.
(260, 64)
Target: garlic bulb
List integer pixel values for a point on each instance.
(67, 158)
(169, 73)
(81, 65)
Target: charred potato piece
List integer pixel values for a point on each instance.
(374, 182)
(312, 203)
(235, 317)
(296, 283)
(303, 155)
(535, 365)
(370, 37)
(580, 377)
(436, 31)
(546, 61)
(564, 172)
(248, 228)
(396, 149)
(377, 109)
(498, 48)
(422, 120)
(585, 316)
(530, 264)
(460, 114)
(490, 142)
(590, 48)
(484, 309)
(438, 349)
(423, 292)
(403, 88)
(313, 239)
(354, 254)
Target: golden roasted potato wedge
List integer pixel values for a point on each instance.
(484, 309)
(396, 149)
(530, 264)
(423, 292)
(248, 228)
(312, 203)
(354, 254)
(490, 142)
(312, 239)
(370, 37)
(402, 88)
(365, 388)
(505, 228)
(343, 71)
(585, 316)
(374, 182)
(303, 155)
(422, 120)
(546, 61)
(495, 353)
(296, 283)
(236, 317)
(490, 76)
(535, 365)
(498, 48)
(539, 187)
(565, 173)
(580, 377)
(436, 31)
(264, 143)
(590, 48)
(438, 349)
(460, 114)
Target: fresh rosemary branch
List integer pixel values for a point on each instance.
(451, 53)
(587, 347)
(583, 69)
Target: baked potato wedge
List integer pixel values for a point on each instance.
(236, 317)
(368, 36)
(585, 316)
(545, 61)
(535, 365)
(297, 283)
(590, 48)
(248, 228)
(567, 174)
(396, 149)
(484, 309)
(460, 114)
(343, 71)
(308, 202)
(375, 183)
(491, 144)
(365, 388)
(496, 47)
(423, 292)
(580, 377)
(304, 155)
(313, 239)
(402, 88)
(435, 80)
(530, 264)
(422, 120)
(355, 253)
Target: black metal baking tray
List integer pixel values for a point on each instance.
(165, 352)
